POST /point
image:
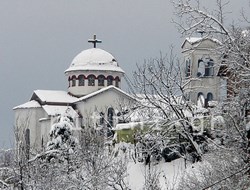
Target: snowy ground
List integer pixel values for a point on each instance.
(168, 173)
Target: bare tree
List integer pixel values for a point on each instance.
(160, 87)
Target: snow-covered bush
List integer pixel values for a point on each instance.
(61, 135)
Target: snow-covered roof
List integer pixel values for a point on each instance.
(53, 96)
(52, 110)
(94, 59)
(130, 125)
(111, 87)
(30, 104)
(193, 40)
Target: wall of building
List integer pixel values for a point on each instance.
(29, 119)
(92, 107)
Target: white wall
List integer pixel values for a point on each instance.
(101, 103)
(29, 119)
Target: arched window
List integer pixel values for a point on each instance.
(110, 117)
(42, 143)
(117, 80)
(69, 79)
(188, 68)
(73, 80)
(27, 142)
(200, 99)
(101, 79)
(81, 80)
(209, 96)
(205, 67)
(91, 80)
(201, 68)
(110, 80)
(209, 67)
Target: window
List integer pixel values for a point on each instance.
(200, 99)
(73, 80)
(69, 81)
(91, 80)
(101, 79)
(42, 143)
(209, 68)
(81, 80)
(209, 96)
(110, 117)
(109, 80)
(201, 68)
(205, 67)
(27, 142)
(117, 80)
(188, 68)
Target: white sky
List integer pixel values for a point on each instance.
(39, 39)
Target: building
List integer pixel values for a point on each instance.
(200, 71)
(93, 97)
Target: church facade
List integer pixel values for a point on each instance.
(94, 97)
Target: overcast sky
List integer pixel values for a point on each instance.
(39, 39)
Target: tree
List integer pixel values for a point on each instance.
(160, 87)
(61, 135)
(68, 164)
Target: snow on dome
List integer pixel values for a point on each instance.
(94, 59)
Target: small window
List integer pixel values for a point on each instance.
(73, 80)
(109, 80)
(69, 79)
(201, 68)
(27, 142)
(188, 68)
(91, 80)
(205, 67)
(101, 79)
(110, 117)
(200, 99)
(209, 96)
(117, 80)
(209, 68)
(81, 80)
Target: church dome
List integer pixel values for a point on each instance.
(94, 59)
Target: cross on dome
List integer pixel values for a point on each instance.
(94, 41)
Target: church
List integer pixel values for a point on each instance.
(94, 97)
